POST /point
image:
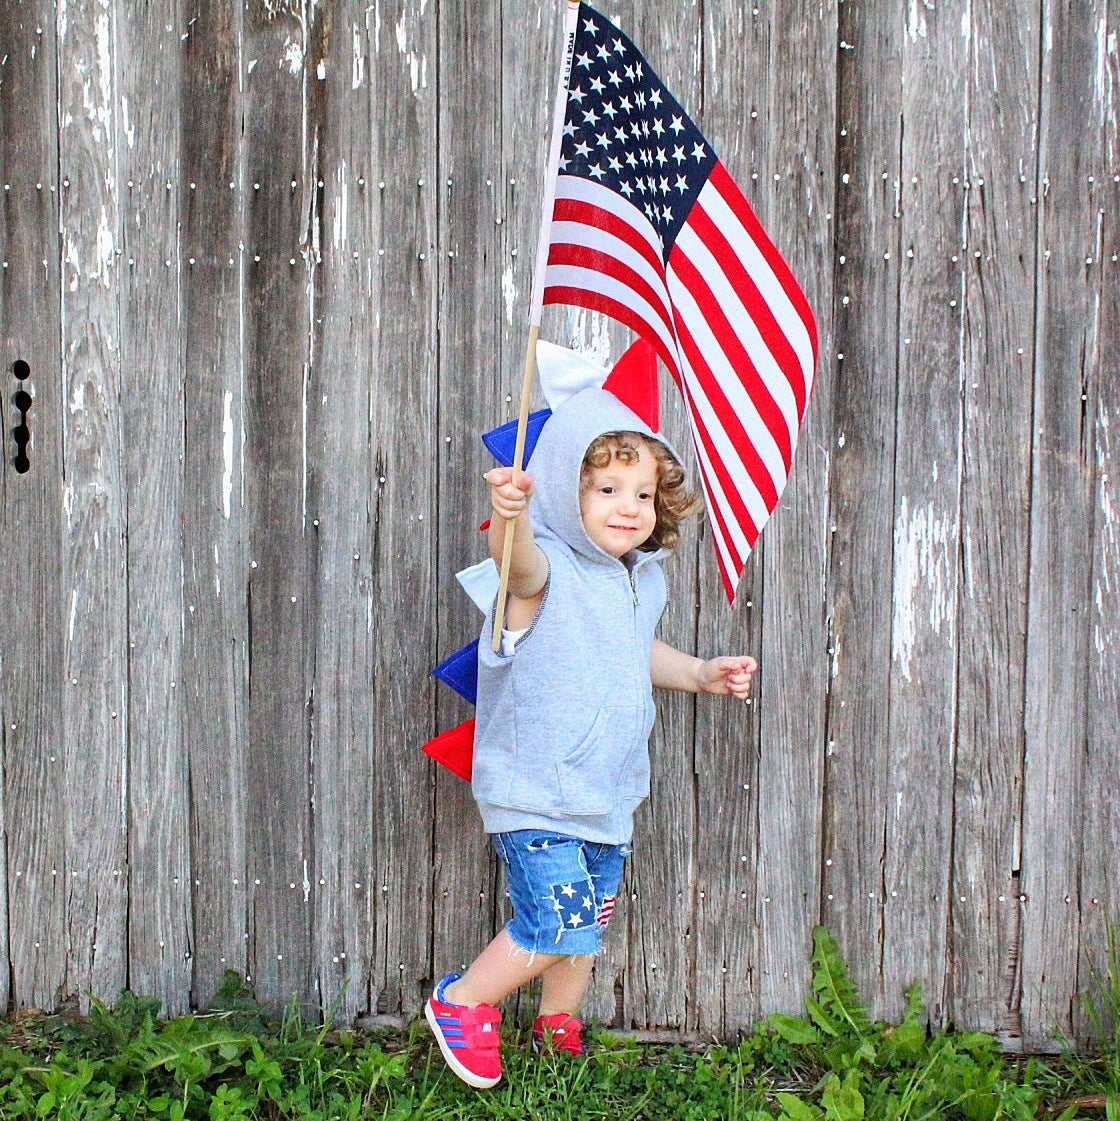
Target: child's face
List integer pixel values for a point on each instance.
(618, 504)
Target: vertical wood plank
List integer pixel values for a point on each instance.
(159, 927)
(31, 669)
(1100, 830)
(917, 824)
(661, 904)
(608, 999)
(799, 176)
(280, 69)
(998, 322)
(343, 717)
(403, 462)
(1066, 380)
(215, 561)
(862, 486)
(95, 699)
(726, 983)
(472, 399)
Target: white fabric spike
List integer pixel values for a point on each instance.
(563, 373)
(480, 582)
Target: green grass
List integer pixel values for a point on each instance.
(832, 1064)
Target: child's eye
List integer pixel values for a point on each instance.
(645, 496)
(607, 490)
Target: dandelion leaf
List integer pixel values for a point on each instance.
(836, 1008)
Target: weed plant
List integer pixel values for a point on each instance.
(832, 1064)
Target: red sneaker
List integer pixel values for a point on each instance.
(556, 1033)
(468, 1037)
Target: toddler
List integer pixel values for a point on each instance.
(565, 709)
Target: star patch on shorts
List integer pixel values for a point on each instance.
(574, 904)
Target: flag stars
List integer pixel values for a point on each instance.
(576, 94)
(681, 184)
(590, 26)
(568, 891)
(655, 97)
(698, 153)
(596, 84)
(590, 117)
(677, 125)
(617, 47)
(614, 79)
(584, 60)
(603, 51)
(678, 154)
(595, 171)
(602, 140)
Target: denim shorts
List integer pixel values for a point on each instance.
(562, 889)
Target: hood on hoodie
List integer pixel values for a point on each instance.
(558, 457)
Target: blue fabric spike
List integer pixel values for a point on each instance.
(460, 671)
(501, 442)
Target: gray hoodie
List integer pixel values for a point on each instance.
(562, 726)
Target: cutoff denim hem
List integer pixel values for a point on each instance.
(562, 889)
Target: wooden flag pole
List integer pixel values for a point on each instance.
(518, 463)
(536, 303)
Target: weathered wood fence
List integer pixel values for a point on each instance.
(264, 274)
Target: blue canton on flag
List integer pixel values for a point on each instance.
(625, 130)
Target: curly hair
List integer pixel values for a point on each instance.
(674, 500)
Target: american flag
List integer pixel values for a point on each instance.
(649, 228)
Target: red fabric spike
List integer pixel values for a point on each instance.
(454, 749)
(633, 380)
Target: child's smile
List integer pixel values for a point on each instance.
(618, 506)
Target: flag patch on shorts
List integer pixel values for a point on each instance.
(606, 909)
(574, 904)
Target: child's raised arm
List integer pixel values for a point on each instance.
(528, 570)
(670, 668)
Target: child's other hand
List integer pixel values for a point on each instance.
(727, 677)
(508, 499)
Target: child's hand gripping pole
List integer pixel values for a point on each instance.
(518, 464)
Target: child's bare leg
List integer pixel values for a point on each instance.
(564, 983)
(500, 969)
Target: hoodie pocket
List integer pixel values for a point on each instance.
(594, 777)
